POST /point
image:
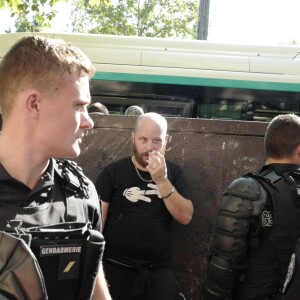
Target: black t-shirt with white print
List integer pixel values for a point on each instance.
(138, 225)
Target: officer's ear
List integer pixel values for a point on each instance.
(33, 102)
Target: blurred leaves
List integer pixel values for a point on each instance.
(152, 18)
(32, 15)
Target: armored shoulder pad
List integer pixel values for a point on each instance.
(247, 192)
(245, 187)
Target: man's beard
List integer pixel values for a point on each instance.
(139, 157)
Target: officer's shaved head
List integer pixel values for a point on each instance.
(282, 136)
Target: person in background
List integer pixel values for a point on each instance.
(44, 92)
(258, 222)
(134, 110)
(98, 107)
(141, 195)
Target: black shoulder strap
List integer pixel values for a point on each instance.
(271, 180)
(76, 189)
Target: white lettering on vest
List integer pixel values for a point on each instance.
(56, 250)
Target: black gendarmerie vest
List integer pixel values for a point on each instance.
(274, 237)
(68, 253)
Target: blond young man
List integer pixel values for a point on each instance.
(44, 95)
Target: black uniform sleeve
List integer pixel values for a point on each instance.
(243, 200)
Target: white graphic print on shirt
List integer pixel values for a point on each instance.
(135, 194)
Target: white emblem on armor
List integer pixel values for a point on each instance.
(290, 272)
(267, 219)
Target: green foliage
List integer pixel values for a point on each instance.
(36, 15)
(151, 18)
(12, 4)
(32, 15)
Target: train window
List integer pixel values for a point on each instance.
(172, 107)
(249, 110)
(221, 109)
(174, 100)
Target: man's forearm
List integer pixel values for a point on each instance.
(101, 291)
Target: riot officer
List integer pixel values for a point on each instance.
(49, 203)
(258, 222)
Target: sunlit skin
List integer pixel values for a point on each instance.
(146, 138)
(142, 158)
(63, 118)
(44, 125)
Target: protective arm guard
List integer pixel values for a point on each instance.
(243, 199)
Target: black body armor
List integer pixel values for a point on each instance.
(68, 253)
